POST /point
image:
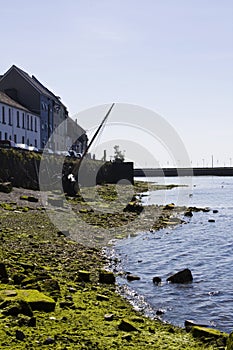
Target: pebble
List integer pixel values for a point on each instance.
(49, 341)
(108, 317)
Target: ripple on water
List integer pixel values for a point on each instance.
(205, 248)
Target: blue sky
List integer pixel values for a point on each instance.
(174, 57)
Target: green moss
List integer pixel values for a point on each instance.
(230, 342)
(79, 319)
(24, 197)
(36, 299)
(208, 334)
(6, 206)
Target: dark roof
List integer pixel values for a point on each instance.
(35, 83)
(4, 98)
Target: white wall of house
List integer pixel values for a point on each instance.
(19, 125)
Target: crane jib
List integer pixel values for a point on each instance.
(76, 168)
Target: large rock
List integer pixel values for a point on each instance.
(5, 187)
(126, 326)
(106, 277)
(131, 277)
(209, 334)
(157, 280)
(83, 276)
(35, 299)
(183, 276)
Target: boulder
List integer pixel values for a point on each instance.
(183, 276)
(160, 312)
(188, 213)
(107, 277)
(19, 335)
(157, 280)
(132, 277)
(208, 334)
(35, 299)
(83, 276)
(126, 326)
(6, 187)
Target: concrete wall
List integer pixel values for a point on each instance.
(21, 168)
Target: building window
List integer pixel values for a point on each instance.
(0, 135)
(9, 117)
(31, 123)
(35, 125)
(23, 139)
(27, 121)
(35, 142)
(3, 116)
(10, 137)
(15, 138)
(23, 121)
(17, 116)
(28, 142)
(5, 135)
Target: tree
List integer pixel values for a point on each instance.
(118, 155)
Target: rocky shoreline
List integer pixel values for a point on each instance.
(55, 293)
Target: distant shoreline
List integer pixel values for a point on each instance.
(172, 172)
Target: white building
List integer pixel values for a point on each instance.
(17, 123)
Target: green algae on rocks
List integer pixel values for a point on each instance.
(86, 311)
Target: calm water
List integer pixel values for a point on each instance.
(203, 247)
